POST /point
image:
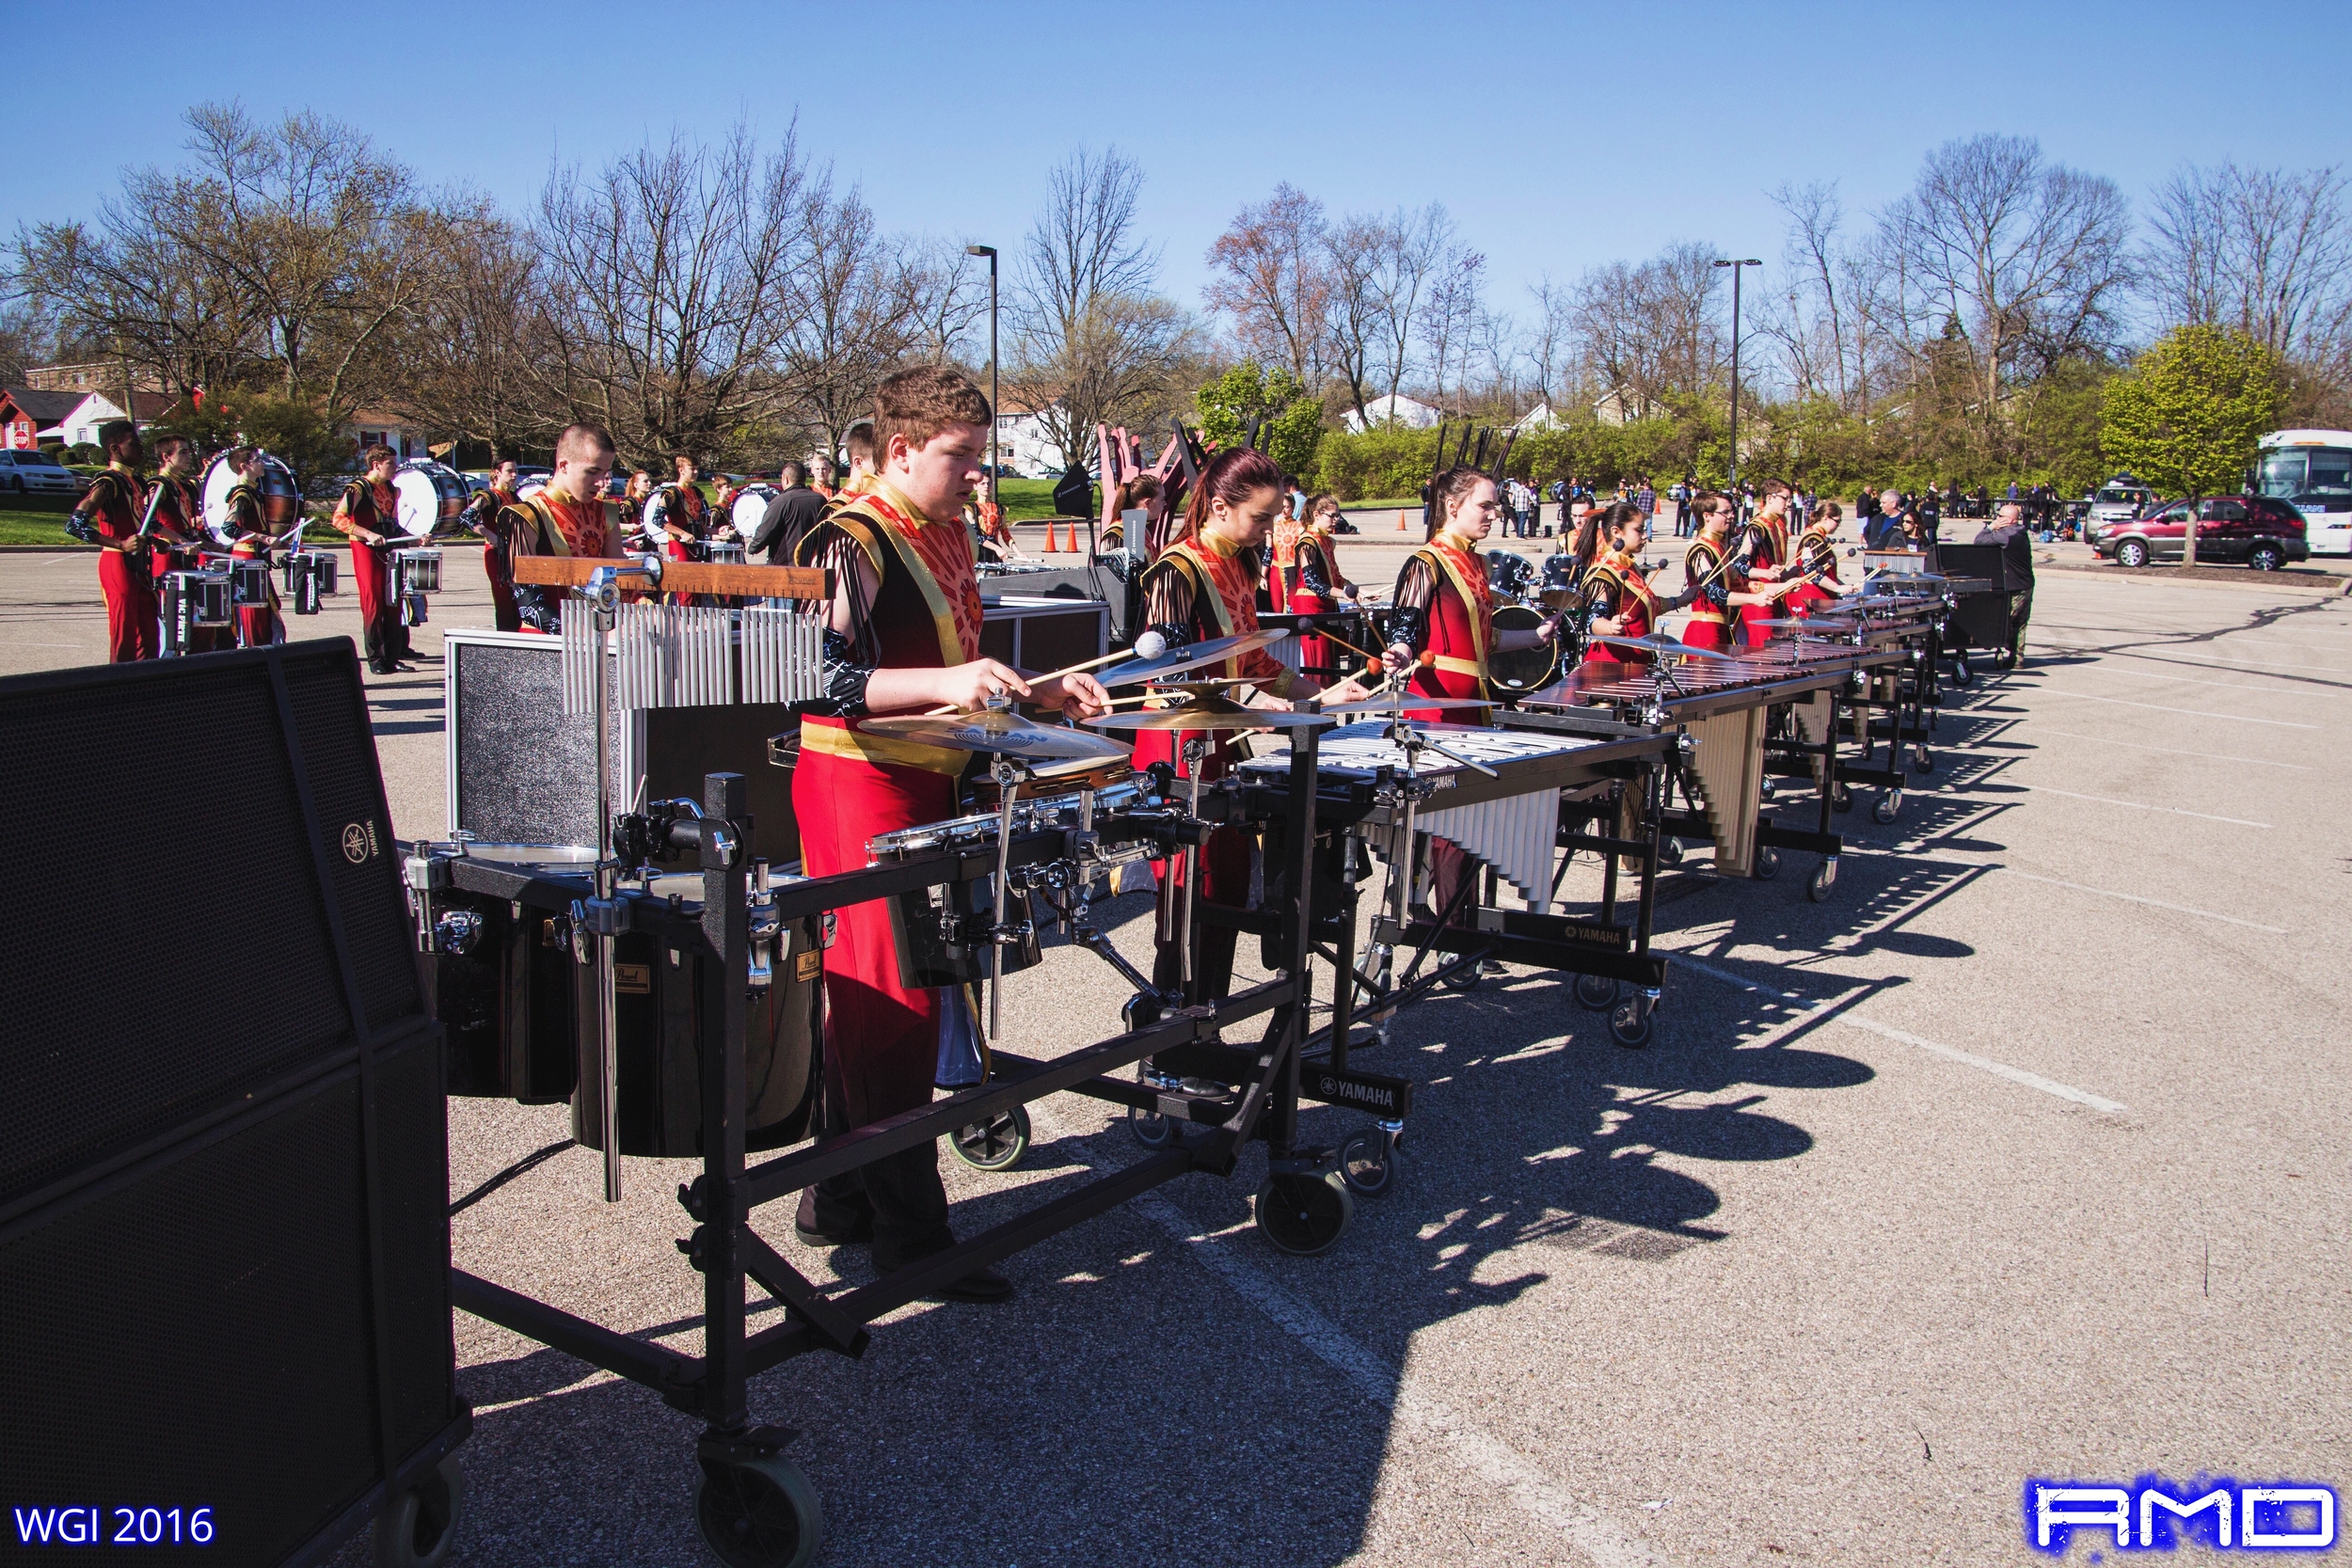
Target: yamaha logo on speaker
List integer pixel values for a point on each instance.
(360, 842)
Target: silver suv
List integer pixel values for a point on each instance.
(2119, 500)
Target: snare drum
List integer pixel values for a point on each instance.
(209, 599)
(1521, 669)
(417, 572)
(249, 583)
(725, 552)
(979, 829)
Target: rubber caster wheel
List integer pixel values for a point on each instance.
(1767, 865)
(1596, 992)
(1465, 978)
(1150, 1129)
(1634, 1021)
(1670, 852)
(1923, 761)
(1824, 879)
(1302, 1214)
(761, 1514)
(1890, 807)
(415, 1531)
(1368, 1163)
(1841, 799)
(996, 1144)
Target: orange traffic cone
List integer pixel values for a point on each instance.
(1400, 519)
(1052, 537)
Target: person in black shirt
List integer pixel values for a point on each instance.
(789, 517)
(2009, 530)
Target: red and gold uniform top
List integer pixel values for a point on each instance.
(1615, 589)
(926, 615)
(365, 505)
(116, 503)
(546, 523)
(1444, 606)
(1700, 570)
(172, 503)
(1203, 587)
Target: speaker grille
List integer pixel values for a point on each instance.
(142, 987)
(160, 1354)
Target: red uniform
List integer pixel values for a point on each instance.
(1709, 626)
(116, 503)
(1618, 591)
(172, 503)
(547, 523)
(257, 625)
(1200, 588)
(679, 506)
(1814, 553)
(1770, 537)
(1460, 608)
(496, 562)
(376, 509)
(1298, 580)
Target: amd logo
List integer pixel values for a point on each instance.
(2153, 1513)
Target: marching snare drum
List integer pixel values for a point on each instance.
(281, 499)
(1521, 669)
(724, 552)
(249, 583)
(417, 571)
(431, 495)
(209, 597)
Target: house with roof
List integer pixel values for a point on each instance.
(80, 424)
(27, 411)
(1396, 409)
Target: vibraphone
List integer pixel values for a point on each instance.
(1730, 712)
(1511, 799)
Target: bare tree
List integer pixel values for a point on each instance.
(1548, 344)
(2264, 250)
(1808, 320)
(1650, 334)
(948, 300)
(852, 313)
(1092, 344)
(1352, 318)
(2029, 257)
(1413, 248)
(671, 287)
(1453, 323)
(1271, 281)
(465, 348)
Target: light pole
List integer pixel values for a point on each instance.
(995, 409)
(1737, 510)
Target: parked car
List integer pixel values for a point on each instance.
(2260, 530)
(2119, 500)
(31, 472)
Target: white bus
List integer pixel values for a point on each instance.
(2312, 471)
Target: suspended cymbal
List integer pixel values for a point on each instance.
(1401, 701)
(1210, 713)
(1136, 671)
(1658, 642)
(1000, 732)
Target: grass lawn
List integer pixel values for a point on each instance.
(1026, 498)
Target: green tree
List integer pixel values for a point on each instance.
(299, 434)
(1291, 416)
(2191, 411)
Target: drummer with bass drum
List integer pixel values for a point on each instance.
(368, 513)
(902, 636)
(1204, 586)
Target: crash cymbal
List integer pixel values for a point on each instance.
(1175, 661)
(1210, 713)
(1657, 642)
(999, 731)
(1402, 701)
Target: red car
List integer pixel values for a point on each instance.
(2260, 530)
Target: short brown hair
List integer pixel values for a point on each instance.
(377, 453)
(859, 442)
(595, 434)
(237, 457)
(166, 444)
(917, 404)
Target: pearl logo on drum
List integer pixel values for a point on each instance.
(360, 842)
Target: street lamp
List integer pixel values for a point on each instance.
(1735, 267)
(995, 409)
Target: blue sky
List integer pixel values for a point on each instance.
(1558, 136)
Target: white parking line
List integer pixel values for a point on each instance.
(2301, 689)
(2136, 805)
(1418, 1412)
(1828, 1012)
(2192, 712)
(2174, 752)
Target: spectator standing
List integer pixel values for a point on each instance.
(789, 517)
(1681, 496)
(1646, 499)
(1558, 493)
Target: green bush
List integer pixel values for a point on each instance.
(1291, 417)
(85, 455)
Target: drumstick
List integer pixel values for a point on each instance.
(1148, 646)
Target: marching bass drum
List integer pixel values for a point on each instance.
(431, 495)
(749, 508)
(281, 498)
(1521, 669)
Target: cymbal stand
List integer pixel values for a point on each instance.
(1008, 774)
(1195, 750)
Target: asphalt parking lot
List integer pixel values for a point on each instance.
(2029, 1154)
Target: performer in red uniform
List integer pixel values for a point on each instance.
(903, 635)
(1715, 579)
(1617, 596)
(247, 527)
(176, 517)
(1202, 587)
(1443, 605)
(1767, 543)
(568, 515)
(109, 516)
(367, 515)
(1816, 556)
(677, 519)
(481, 516)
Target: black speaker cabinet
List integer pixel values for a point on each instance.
(224, 1168)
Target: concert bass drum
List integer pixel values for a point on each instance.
(1523, 669)
(750, 507)
(431, 497)
(281, 498)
